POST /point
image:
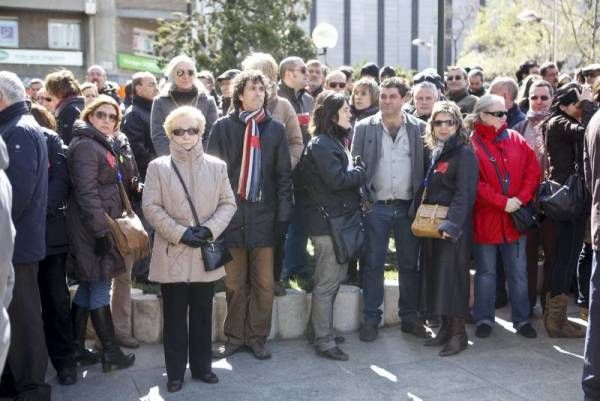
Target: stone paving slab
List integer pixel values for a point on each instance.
(396, 367)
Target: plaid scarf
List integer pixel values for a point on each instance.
(249, 182)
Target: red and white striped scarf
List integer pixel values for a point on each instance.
(249, 182)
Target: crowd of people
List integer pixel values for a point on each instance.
(264, 159)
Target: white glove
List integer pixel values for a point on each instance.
(512, 205)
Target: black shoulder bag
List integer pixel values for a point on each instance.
(562, 202)
(214, 253)
(526, 217)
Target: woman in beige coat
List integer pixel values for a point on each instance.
(187, 288)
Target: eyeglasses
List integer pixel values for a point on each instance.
(182, 131)
(190, 73)
(101, 115)
(340, 85)
(447, 123)
(454, 77)
(498, 114)
(301, 69)
(543, 97)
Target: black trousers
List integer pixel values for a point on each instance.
(183, 301)
(27, 357)
(54, 294)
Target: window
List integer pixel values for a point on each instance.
(64, 35)
(9, 32)
(143, 41)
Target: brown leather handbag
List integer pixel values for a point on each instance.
(428, 219)
(128, 231)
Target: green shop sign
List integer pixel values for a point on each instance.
(138, 63)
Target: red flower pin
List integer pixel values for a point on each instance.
(441, 168)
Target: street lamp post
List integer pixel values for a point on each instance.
(324, 37)
(530, 17)
(429, 45)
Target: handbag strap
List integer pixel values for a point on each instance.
(503, 179)
(123, 194)
(187, 194)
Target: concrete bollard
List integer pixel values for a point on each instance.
(274, 320)
(136, 291)
(220, 312)
(346, 309)
(391, 292)
(292, 314)
(147, 318)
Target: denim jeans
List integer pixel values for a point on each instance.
(382, 220)
(591, 355)
(93, 294)
(295, 255)
(514, 259)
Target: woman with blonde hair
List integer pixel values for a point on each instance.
(94, 171)
(182, 89)
(451, 181)
(187, 199)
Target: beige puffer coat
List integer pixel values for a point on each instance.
(167, 210)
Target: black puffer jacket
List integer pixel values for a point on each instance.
(324, 174)
(253, 224)
(58, 195)
(136, 125)
(66, 114)
(564, 136)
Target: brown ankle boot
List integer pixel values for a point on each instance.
(557, 324)
(458, 341)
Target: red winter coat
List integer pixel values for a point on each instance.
(517, 160)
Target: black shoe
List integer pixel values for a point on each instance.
(442, 336)
(527, 331)
(82, 355)
(416, 328)
(368, 332)
(483, 330)
(174, 386)
(334, 353)
(112, 356)
(226, 350)
(456, 344)
(67, 376)
(208, 377)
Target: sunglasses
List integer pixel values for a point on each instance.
(301, 69)
(183, 131)
(181, 73)
(100, 115)
(543, 97)
(46, 99)
(340, 85)
(498, 114)
(447, 123)
(454, 78)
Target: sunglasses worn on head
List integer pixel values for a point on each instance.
(182, 131)
(454, 77)
(543, 97)
(190, 73)
(447, 123)
(498, 114)
(340, 85)
(100, 115)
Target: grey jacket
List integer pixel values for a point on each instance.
(163, 104)
(367, 141)
(591, 168)
(7, 242)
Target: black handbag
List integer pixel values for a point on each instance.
(347, 234)
(563, 202)
(214, 253)
(527, 216)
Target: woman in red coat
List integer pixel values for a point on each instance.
(508, 178)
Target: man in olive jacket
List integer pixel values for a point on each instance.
(255, 148)
(28, 175)
(591, 165)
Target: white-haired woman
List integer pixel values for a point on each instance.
(182, 89)
(451, 181)
(186, 286)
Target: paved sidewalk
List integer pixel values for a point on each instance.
(504, 367)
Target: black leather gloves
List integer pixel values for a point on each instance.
(203, 233)
(190, 238)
